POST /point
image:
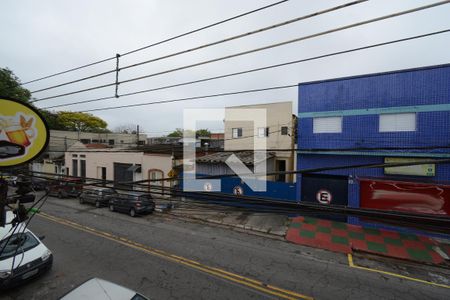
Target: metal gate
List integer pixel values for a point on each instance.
(121, 173)
(325, 189)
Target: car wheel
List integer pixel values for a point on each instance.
(132, 212)
(97, 204)
(111, 207)
(81, 200)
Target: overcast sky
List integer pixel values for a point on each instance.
(39, 38)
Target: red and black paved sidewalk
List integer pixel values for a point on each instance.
(345, 238)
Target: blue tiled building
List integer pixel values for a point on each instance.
(373, 119)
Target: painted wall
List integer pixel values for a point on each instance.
(97, 159)
(360, 100)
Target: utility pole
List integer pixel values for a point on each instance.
(137, 135)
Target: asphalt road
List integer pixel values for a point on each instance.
(166, 258)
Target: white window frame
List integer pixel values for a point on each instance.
(397, 122)
(327, 125)
(235, 133)
(263, 132)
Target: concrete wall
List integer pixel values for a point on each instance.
(98, 159)
(278, 115)
(59, 139)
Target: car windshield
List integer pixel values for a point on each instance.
(18, 243)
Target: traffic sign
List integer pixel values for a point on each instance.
(324, 196)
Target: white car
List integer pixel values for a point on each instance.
(30, 256)
(100, 289)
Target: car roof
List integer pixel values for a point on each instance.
(97, 188)
(134, 193)
(99, 289)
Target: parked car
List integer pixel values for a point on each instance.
(31, 257)
(97, 195)
(67, 187)
(132, 203)
(39, 184)
(99, 289)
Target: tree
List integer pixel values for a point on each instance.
(79, 121)
(177, 133)
(10, 86)
(203, 133)
(52, 119)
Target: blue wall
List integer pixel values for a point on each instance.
(429, 86)
(385, 92)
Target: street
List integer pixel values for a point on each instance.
(170, 259)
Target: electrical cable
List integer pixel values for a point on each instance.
(232, 38)
(160, 42)
(271, 46)
(252, 70)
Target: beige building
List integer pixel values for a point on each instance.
(120, 165)
(274, 134)
(278, 134)
(52, 161)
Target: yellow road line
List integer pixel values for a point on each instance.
(352, 265)
(254, 284)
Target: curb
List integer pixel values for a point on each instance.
(236, 227)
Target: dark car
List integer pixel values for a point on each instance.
(67, 187)
(99, 196)
(132, 203)
(39, 184)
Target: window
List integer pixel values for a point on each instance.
(82, 168)
(397, 122)
(237, 133)
(141, 142)
(85, 141)
(82, 155)
(263, 132)
(94, 141)
(111, 142)
(74, 155)
(17, 243)
(284, 130)
(327, 125)
(74, 167)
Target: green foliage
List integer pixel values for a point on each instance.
(179, 133)
(79, 121)
(10, 86)
(203, 133)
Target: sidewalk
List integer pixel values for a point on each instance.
(266, 223)
(346, 238)
(325, 234)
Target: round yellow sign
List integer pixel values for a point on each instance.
(24, 133)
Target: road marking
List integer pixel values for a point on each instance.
(217, 272)
(352, 265)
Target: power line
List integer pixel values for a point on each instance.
(195, 97)
(256, 49)
(247, 34)
(160, 42)
(240, 73)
